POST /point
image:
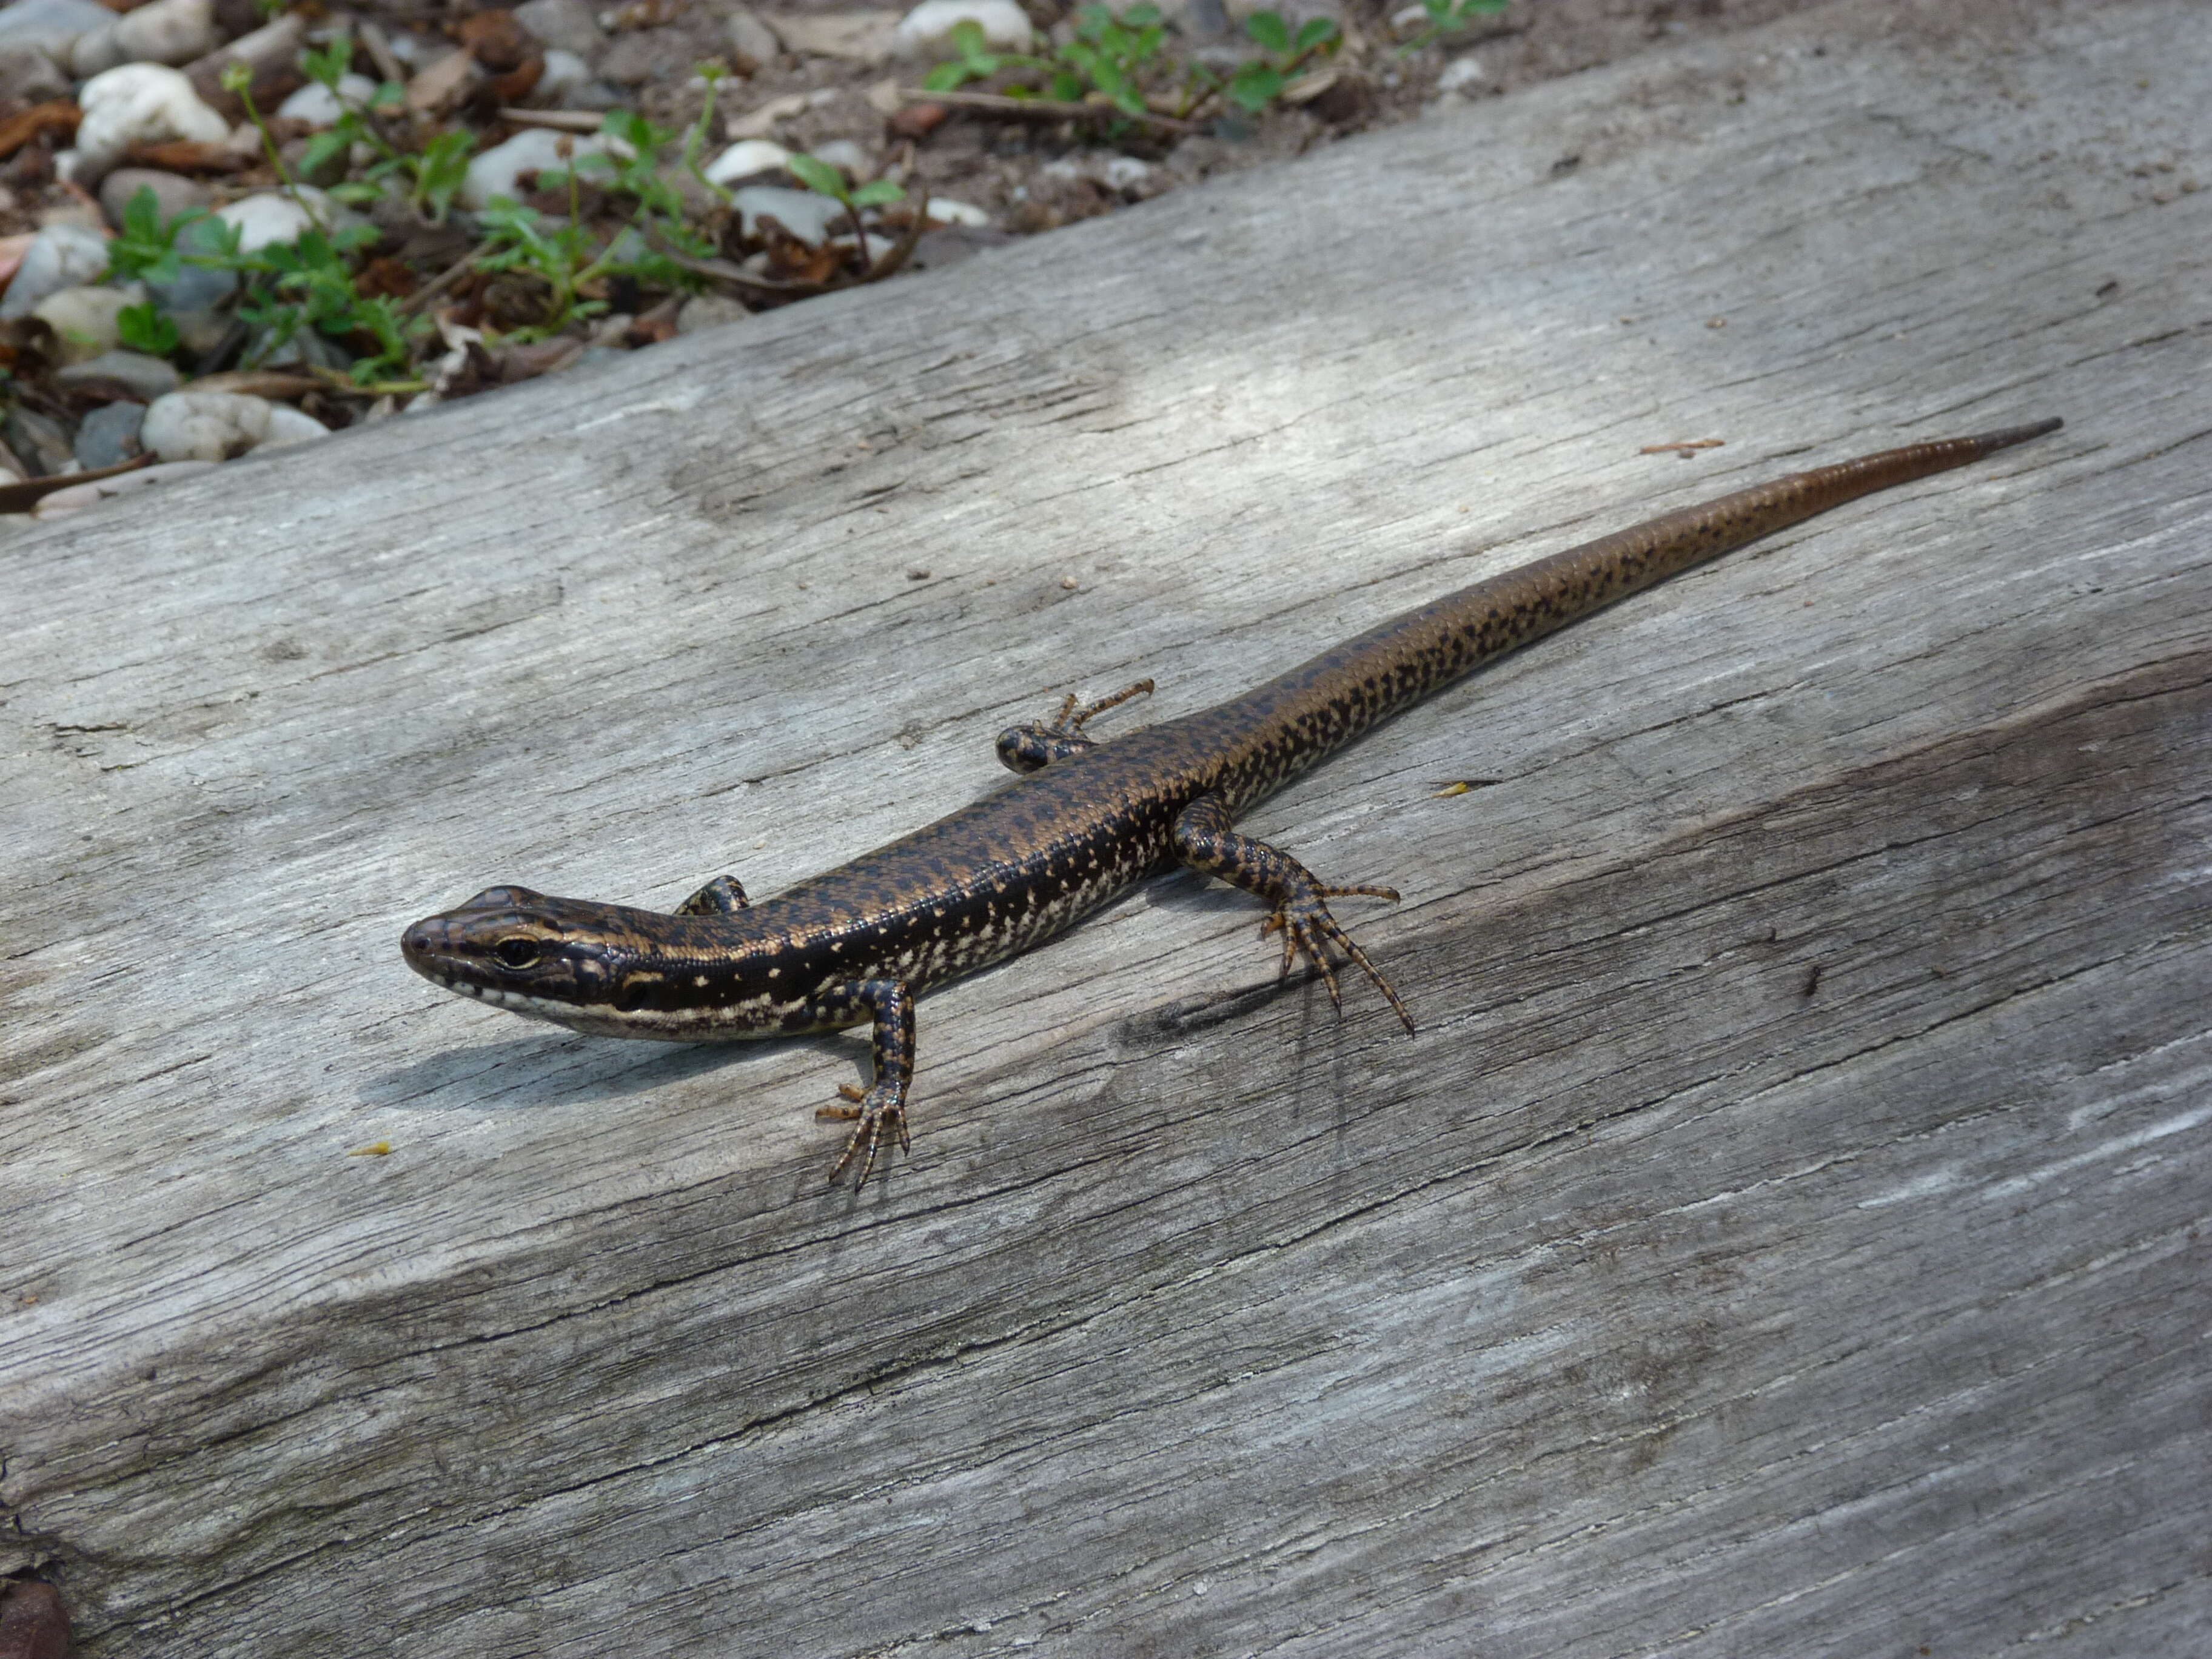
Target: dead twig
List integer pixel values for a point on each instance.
(60, 115)
(26, 493)
(558, 120)
(722, 271)
(1043, 109)
(438, 285)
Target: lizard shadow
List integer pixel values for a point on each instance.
(556, 1069)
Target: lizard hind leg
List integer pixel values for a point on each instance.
(1205, 841)
(1035, 745)
(879, 1115)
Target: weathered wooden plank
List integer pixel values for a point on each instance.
(1663, 1293)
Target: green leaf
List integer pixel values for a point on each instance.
(390, 95)
(326, 66)
(1255, 86)
(875, 194)
(1269, 30)
(818, 176)
(142, 328)
(1142, 15)
(1316, 30)
(1067, 88)
(967, 39)
(945, 77)
(324, 147)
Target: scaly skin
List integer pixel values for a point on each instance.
(1086, 823)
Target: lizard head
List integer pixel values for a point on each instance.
(607, 969)
(550, 958)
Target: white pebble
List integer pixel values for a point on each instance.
(946, 211)
(140, 104)
(847, 157)
(1460, 74)
(1114, 171)
(748, 158)
(271, 217)
(288, 425)
(926, 28)
(499, 170)
(316, 105)
(806, 215)
(83, 318)
(564, 73)
(216, 426)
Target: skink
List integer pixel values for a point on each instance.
(1085, 821)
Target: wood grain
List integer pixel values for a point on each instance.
(1785, 1234)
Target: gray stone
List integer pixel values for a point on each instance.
(29, 75)
(130, 374)
(62, 256)
(52, 26)
(196, 288)
(109, 436)
(708, 311)
(568, 24)
(164, 32)
(748, 34)
(173, 193)
(39, 442)
(209, 338)
(307, 347)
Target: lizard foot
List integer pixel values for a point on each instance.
(877, 1119)
(1309, 929)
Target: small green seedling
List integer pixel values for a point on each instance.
(1448, 17)
(145, 248)
(143, 328)
(1110, 55)
(1257, 84)
(560, 254)
(826, 179)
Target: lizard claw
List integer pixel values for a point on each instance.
(878, 1119)
(1309, 930)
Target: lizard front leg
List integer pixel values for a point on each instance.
(880, 1113)
(1205, 840)
(1035, 745)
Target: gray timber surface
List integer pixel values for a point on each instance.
(1783, 1235)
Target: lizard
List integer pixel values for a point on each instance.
(1084, 822)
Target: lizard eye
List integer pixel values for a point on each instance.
(517, 952)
